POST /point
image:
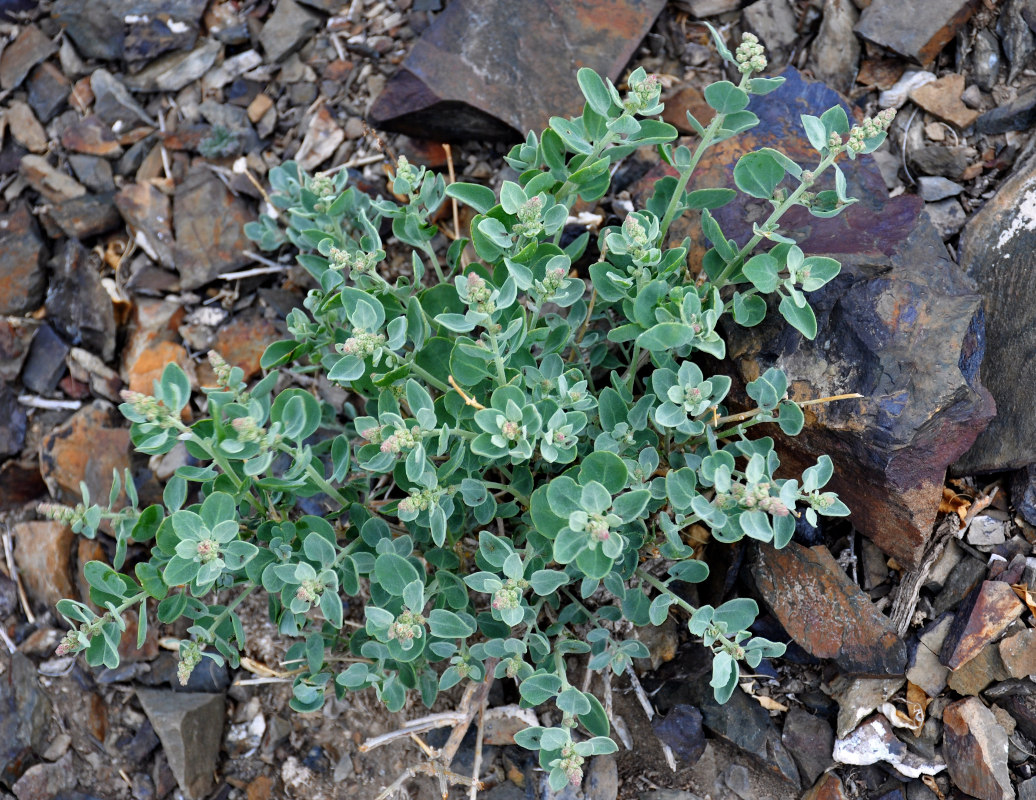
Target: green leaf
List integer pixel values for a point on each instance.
(605, 468)
(480, 198)
(767, 390)
(319, 549)
(393, 573)
(175, 387)
(761, 86)
(737, 614)
(709, 198)
(595, 720)
(790, 418)
(573, 701)
(547, 581)
(299, 411)
(761, 269)
(802, 318)
(666, 336)
(820, 270)
(630, 505)
(447, 625)
(725, 97)
(725, 673)
(539, 688)
(749, 310)
(758, 174)
(594, 90)
(835, 120)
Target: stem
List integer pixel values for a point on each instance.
(428, 377)
(497, 358)
(226, 611)
(509, 489)
(634, 366)
(426, 248)
(722, 641)
(774, 217)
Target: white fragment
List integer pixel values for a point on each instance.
(898, 94)
(1024, 217)
(874, 741)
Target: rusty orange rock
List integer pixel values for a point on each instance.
(43, 553)
(984, 615)
(93, 442)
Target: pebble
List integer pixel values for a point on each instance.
(25, 128)
(774, 22)
(985, 614)
(986, 531)
(48, 90)
(975, 675)
(897, 26)
(933, 188)
(190, 727)
(942, 97)
(46, 781)
(947, 216)
(24, 714)
(681, 729)
(810, 740)
(874, 742)
(1015, 115)
(12, 422)
(29, 48)
(23, 278)
(287, 29)
(45, 364)
(87, 447)
(53, 184)
(78, 305)
(836, 50)
(1016, 37)
(985, 60)
(925, 669)
(1018, 653)
(43, 553)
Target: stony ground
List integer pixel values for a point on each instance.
(136, 139)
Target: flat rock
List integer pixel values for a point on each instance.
(12, 422)
(43, 552)
(925, 669)
(985, 60)
(100, 30)
(209, 226)
(942, 98)
(985, 614)
(148, 365)
(244, 339)
(774, 22)
(810, 740)
(53, 184)
(898, 325)
(1018, 653)
(933, 188)
(45, 781)
(91, 136)
(150, 35)
(975, 747)
(22, 279)
(962, 579)
(190, 727)
(858, 697)
(947, 217)
(998, 250)
(323, 135)
(1016, 36)
(174, 71)
(25, 128)
(1016, 115)
(827, 614)
(24, 714)
(148, 213)
(48, 90)
(1022, 708)
(874, 742)
(27, 50)
(86, 448)
(950, 161)
(682, 730)
(287, 29)
(15, 339)
(917, 29)
(86, 216)
(836, 50)
(78, 305)
(488, 70)
(45, 363)
(829, 787)
(113, 102)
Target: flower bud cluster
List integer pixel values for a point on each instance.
(62, 513)
(358, 263)
(70, 643)
(530, 222)
(551, 283)
(362, 344)
(152, 409)
(510, 594)
(402, 440)
(208, 550)
(190, 657)
(513, 665)
(420, 500)
(220, 368)
(644, 94)
(309, 591)
(323, 186)
(571, 763)
(248, 430)
(405, 171)
(869, 128)
(750, 55)
(755, 496)
(407, 626)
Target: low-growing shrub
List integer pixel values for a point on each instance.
(524, 451)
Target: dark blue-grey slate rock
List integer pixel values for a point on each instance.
(24, 713)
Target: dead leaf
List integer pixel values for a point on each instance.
(929, 781)
(951, 501)
(770, 704)
(1025, 596)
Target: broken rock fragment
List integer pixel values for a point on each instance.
(489, 70)
(874, 741)
(917, 29)
(985, 614)
(975, 747)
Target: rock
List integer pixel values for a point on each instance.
(148, 214)
(828, 787)
(24, 714)
(602, 779)
(114, 104)
(190, 727)
(1023, 485)
(1016, 115)
(147, 366)
(12, 422)
(1004, 232)
(43, 552)
(810, 740)
(896, 95)
(858, 697)
(20, 482)
(25, 128)
(947, 217)
(687, 99)
(874, 742)
(22, 279)
(681, 729)
(150, 35)
(985, 614)
(1018, 653)
(86, 448)
(209, 224)
(323, 135)
(925, 669)
(774, 22)
(29, 48)
(939, 159)
(173, 72)
(46, 361)
(91, 136)
(942, 98)
(244, 339)
(86, 216)
(45, 781)
(699, 9)
(258, 107)
(287, 29)
(78, 305)
(932, 188)
(975, 746)
(1016, 36)
(53, 184)
(921, 409)
(48, 90)
(102, 30)
(917, 29)
(1027, 789)
(986, 531)
(963, 578)
(825, 612)
(15, 339)
(457, 85)
(1021, 705)
(985, 60)
(836, 50)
